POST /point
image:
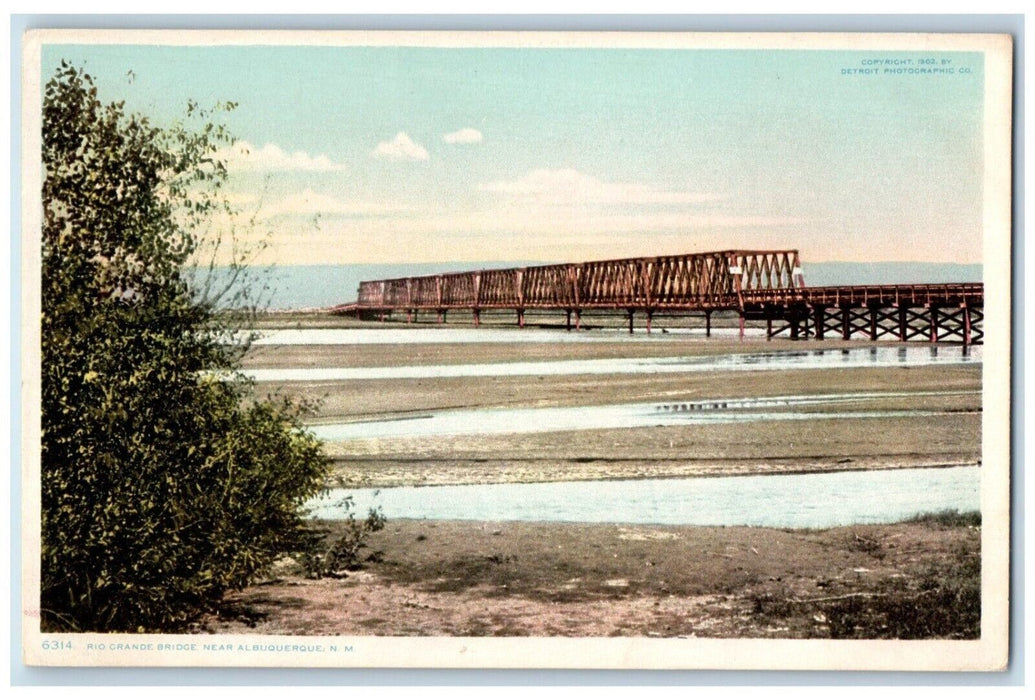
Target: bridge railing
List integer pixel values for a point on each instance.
(550, 286)
(914, 295)
(697, 280)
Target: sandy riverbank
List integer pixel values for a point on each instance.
(443, 578)
(665, 452)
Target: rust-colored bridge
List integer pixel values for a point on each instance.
(756, 284)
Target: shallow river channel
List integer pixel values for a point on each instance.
(785, 500)
(497, 421)
(433, 335)
(874, 356)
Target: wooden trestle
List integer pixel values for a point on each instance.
(757, 285)
(929, 312)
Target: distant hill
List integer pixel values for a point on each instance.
(832, 273)
(321, 286)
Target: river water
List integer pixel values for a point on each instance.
(793, 501)
(784, 500)
(871, 356)
(434, 336)
(495, 421)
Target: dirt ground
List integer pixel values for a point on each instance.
(662, 452)
(383, 398)
(442, 578)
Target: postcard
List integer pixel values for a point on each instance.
(476, 350)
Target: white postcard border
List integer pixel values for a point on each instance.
(988, 653)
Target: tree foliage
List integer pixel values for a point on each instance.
(163, 483)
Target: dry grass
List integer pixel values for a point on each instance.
(536, 579)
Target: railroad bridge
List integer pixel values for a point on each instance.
(757, 285)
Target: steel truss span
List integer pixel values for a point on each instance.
(756, 284)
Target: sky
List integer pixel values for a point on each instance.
(426, 155)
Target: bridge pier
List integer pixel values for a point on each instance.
(477, 317)
(521, 318)
(966, 325)
(707, 324)
(819, 319)
(631, 313)
(650, 317)
(578, 319)
(795, 326)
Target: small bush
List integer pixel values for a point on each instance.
(338, 554)
(945, 604)
(866, 545)
(949, 518)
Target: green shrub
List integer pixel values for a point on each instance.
(163, 484)
(339, 552)
(945, 603)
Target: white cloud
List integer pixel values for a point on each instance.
(243, 156)
(309, 203)
(546, 214)
(401, 147)
(570, 187)
(466, 135)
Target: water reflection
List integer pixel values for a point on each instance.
(434, 336)
(762, 361)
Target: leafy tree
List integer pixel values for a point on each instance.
(164, 483)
